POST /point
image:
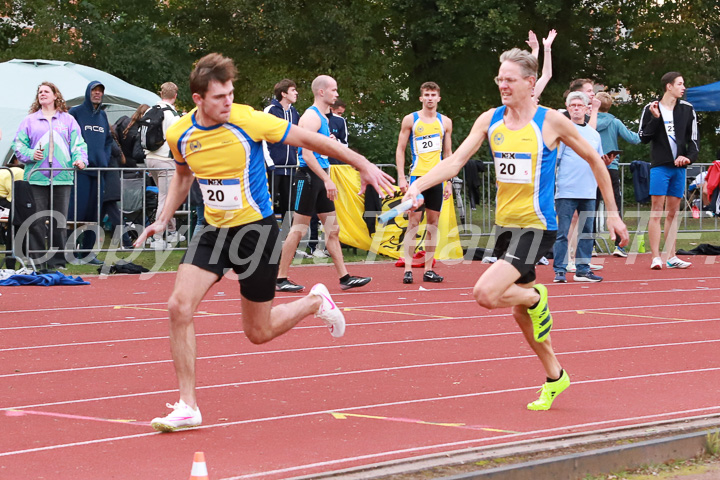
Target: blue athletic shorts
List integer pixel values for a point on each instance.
(667, 180)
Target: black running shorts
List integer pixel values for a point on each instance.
(432, 197)
(311, 196)
(245, 249)
(523, 247)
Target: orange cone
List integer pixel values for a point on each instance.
(199, 468)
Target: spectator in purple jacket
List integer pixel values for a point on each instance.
(50, 144)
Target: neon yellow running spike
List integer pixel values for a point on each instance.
(549, 391)
(541, 319)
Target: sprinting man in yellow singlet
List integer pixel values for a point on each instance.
(220, 143)
(429, 133)
(524, 138)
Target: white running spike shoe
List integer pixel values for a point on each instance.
(328, 311)
(181, 417)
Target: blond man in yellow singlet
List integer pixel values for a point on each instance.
(524, 138)
(429, 134)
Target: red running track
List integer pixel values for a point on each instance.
(422, 369)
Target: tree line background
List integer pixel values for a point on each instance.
(380, 51)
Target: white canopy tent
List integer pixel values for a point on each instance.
(19, 80)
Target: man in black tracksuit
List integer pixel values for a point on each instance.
(278, 156)
(670, 126)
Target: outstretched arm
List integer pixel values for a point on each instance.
(547, 65)
(532, 41)
(447, 152)
(370, 174)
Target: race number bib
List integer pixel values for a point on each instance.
(428, 143)
(223, 194)
(511, 167)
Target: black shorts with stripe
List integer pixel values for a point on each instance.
(311, 196)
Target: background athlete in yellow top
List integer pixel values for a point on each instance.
(429, 133)
(220, 143)
(524, 138)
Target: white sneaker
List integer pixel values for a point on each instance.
(159, 245)
(320, 253)
(175, 237)
(181, 417)
(302, 254)
(656, 264)
(675, 262)
(572, 268)
(328, 311)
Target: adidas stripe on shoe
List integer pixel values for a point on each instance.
(549, 392)
(675, 262)
(287, 286)
(354, 282)
(540, 315)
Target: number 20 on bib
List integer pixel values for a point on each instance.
(511, 167)
(223, 194)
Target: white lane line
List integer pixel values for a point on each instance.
(384, 369)
(403, 320)
(395, 305)
(410, 402)
(405, 292)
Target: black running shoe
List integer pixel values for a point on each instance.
(407, 278)
(354, 282)
(288, 286)
(433, 277)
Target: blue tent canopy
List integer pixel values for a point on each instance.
(705, 98)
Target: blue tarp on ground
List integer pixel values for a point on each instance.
(43, 280)
(705, 98)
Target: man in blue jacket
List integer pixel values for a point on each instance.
(279, 156)
(85, 204)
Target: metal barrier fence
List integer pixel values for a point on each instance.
(475, 211)
(135, 209)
